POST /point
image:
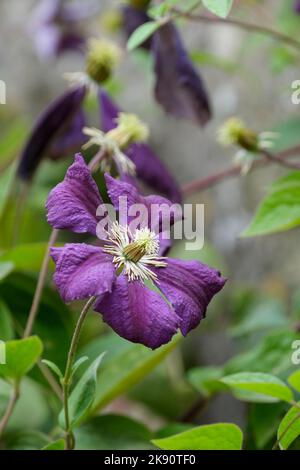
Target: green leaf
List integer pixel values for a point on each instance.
(21, 355)
(11, 142)
(289, 428)
(110, 432)
(264, 420)
(6, 325)
(294, 380)
(5, 269)
(218, 7)
(78, 363)
(6, 179)
(53, 367)
(206, 380)
(27, 257)
(56, 445)
(83, 395)
(261, 384)
(125, 367)
(219, 436)
(141, 34)
(280, 210)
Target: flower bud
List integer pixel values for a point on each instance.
(234, 132)
(142, 4)
(102, 58)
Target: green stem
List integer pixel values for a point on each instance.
(70, 441)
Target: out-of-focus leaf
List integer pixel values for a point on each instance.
(6, 179)
(6, 327)
(27, 257)
(206, 380)
(172, 429)
(124, 365)
(261, 384)
(56, 445)
(110, 432)
(21, 355)
(53, 367)
(219, 436)
(54, 322)
(289, 428)
(294, 380)
(11, 142)
(262, 314)
(264, 420)
(279, 211)
(288, 134)
(218, 7)
(24, 440)
(83, 395)
(5, 269)
(141, 34)
(271, 355)
(206, 58)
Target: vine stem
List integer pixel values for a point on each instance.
(238, 24)
(70, 440)
(10, 408)
(235, 170)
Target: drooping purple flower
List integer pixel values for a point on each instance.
(55, 26)
(179, 88)
(55, 133)
(149, 167)
(133, 18)
(116, 272)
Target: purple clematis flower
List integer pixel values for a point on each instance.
(57, 132)
(55, 26)
(116, 273)
(149, 167)
(179, 88)
(133, 18)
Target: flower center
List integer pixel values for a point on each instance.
(135, 254)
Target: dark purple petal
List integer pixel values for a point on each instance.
(73, 204)
(149, 167)
(158, 210)
(133, 18)
(179, 88)
(137, 313)
(189, 286)
(50, 124)
(70, 140)
(82, 271)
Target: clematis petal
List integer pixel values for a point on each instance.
(158, 212)
(73, 204)
(297, 6)
(137, 313)
(149, 167)
(189, 286)
(70, 140)
(82, 271)
(51, 122)
(179, 88)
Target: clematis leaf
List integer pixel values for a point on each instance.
(141, 34)
(218, 7)
(289, 428)
(21, 355)
(56, 445)
(219, 436)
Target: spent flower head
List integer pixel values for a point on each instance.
(129, 129)
(101, 60)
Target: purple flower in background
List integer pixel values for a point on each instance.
(55, 26)
(115, 273)
(179, 88)
(297, 6)
(57, 132)
(149, 167)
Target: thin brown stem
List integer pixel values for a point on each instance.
(239, 24)
(279, 161)
(70, 441)
(10, 408)
(235, 170)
